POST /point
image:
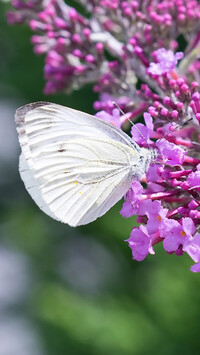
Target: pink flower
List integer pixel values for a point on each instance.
(133, 199)
(193, 248)
(166, 61)
(195, 267)
(140, 243)
(177, 236)
(171, 153)
(141, 133)
(113, 118)
(152, 174)
(193, 179)
(155, 212)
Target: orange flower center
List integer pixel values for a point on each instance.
(183, 234)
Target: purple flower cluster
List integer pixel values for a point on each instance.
(169, 205)
(77, 46)
(129, 51)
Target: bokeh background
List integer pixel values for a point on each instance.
(76, 290)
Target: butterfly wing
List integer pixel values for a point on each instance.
(75, 166)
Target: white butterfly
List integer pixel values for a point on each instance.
(74, 165)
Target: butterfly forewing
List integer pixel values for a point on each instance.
(75, 166)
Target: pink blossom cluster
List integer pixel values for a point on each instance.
(169, 205)
(130, 51)
(77, 47)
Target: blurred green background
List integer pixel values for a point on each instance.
(77, 291)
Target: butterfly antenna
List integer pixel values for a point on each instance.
(128, 119)
(177, 126)
(117, 106)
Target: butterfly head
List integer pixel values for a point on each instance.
(147, 156)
